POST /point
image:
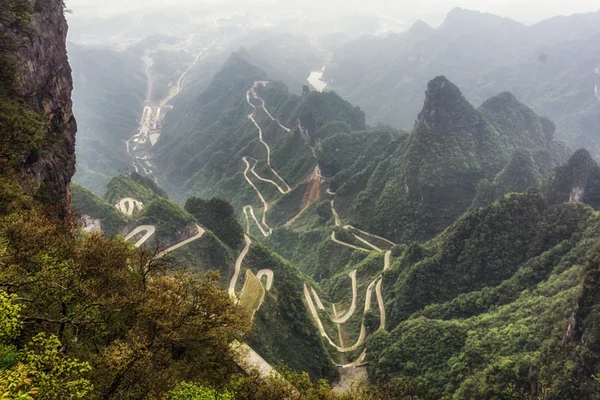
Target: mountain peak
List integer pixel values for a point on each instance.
(444, 103)
(420, 28)
(462, 19)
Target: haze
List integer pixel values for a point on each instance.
(431, 11)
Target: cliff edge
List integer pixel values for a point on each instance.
(37, 82)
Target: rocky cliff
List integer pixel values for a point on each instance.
(34, 33)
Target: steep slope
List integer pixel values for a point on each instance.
(37, 121)
(147, 218)
(492, 297)
(428, 179)
(109, 92)
(550, 66)
(244, 122)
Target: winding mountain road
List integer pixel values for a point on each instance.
(376, 285)
(352, 308)
(184, 74)
(197, 236)
(238, 267)
(149, 231)
(252, 91)
(311, 296)
(269, 275)
(253, 170)
(265, 204)
(128, 205)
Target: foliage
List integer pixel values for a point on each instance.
(284, 319)
(121, 187)
(191, 391)
(9, 317)
(98, 312)
(168, 217)
(218, 216)
(86, 202)
(148, 183)
(55, 375)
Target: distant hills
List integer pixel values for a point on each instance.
(549, 66)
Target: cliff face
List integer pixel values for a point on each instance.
(43, 81)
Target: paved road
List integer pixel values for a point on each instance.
(128, 205)
(285, 128)
(249, 208)
(376, 285)
(350, 227)
(198, 235)
(317, 319)
(252, 93)
(334, 239)
(269, 275)
(184, 75)
(253, 170)
(149, 229)
(248, 359)
(352, 308)
(238, 267)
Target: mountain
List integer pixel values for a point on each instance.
(424, 181)
(109, 92)
(549, 66)
(38, 126)
(277, 318)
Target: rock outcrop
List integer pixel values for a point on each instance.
(43, 83)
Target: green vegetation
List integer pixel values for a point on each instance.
(218, 216)
(421, 184)
(167, 216)
(83, 312)
(87, 202)
(283, 333)
(122, 186)
(481, 311)
(253, 294)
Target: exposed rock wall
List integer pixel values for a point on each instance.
(43, 80)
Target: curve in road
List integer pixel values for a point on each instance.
(265, 204)
(350, 227)
(149, 229)
(253, 170)
(352, 308)
(264, 107)
(197, 236)
(252, 91)
(128, 205)
(238, 267)
(269, 275)
(334, 239)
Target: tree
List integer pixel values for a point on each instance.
(218, 216)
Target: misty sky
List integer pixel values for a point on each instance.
(528, 11)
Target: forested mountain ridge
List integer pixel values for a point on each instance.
(549, 65)
(447, 163)
(499, 223)
(459, 260)
(276, 318)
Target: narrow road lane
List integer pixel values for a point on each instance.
(149, 229)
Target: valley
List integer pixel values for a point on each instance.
(267, 202)
(139, 146)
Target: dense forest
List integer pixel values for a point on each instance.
(284, 247)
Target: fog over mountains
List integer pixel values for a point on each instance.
(329, 200)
